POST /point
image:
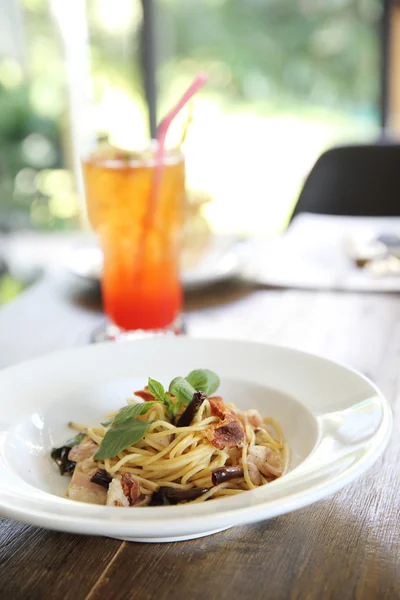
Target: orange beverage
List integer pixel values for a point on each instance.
(140, 284)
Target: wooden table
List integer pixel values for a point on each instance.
(345, 547)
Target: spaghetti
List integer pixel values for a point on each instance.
(222, 451)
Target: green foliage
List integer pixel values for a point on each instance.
(9, 288)
(319, 51)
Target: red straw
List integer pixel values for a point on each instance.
(162, 131)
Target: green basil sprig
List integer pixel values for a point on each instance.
(157, 390)
(204, 380)
(181, 389)
(125, 430)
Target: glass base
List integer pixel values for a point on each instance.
(110, 332)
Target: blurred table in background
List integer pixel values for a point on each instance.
(346, 547)
(313, 253)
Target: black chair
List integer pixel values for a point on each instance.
(361, 180)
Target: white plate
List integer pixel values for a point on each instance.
(219, 261)
(335, 421)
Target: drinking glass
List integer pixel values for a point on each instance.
(137, 212)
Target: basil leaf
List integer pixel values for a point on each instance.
(204, 380)
(171, 406)
(132, 410)
(169, 409)
(182, 389)
(156, 389)
(123, 434)
(75, 440)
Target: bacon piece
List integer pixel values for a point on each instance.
(144, 394)
(125, 492)
(228, 435)
(229, 431)
(219, 408)
(130, 488)
(115, 494)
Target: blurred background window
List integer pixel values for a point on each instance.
(287, 80)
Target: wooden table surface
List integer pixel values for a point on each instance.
(344, 547)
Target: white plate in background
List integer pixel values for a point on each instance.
(335, 421)
(314, 254)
